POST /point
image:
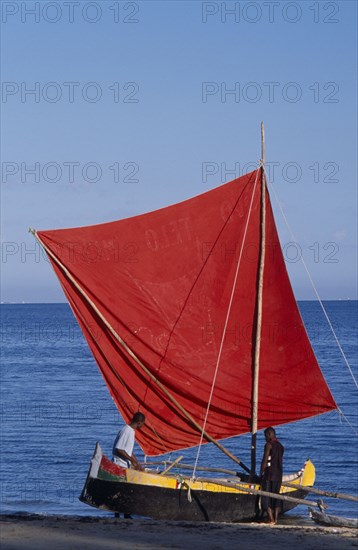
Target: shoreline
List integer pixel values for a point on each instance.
(40, 532)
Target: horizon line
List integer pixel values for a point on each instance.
(21, 303)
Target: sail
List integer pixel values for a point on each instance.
(162, 282)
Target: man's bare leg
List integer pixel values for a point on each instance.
(270, 515)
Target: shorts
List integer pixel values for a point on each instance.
(271, 487)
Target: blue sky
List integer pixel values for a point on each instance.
(133, 109)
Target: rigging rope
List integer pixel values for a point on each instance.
(225, 325)
(313, 285)
(348, 422)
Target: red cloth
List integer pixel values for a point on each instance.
(111, 467)
(163, 280)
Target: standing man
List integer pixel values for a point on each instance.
(271, 472)
(124, 443)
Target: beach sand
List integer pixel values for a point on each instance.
(72, 533)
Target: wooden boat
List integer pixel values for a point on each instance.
(333, 521)
(177, 497)
(191, 318)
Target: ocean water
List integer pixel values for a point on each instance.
(55, 406)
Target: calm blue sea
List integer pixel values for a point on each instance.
(55, 406)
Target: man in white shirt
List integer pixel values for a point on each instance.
(124, 443)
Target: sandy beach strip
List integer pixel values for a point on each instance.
(64, 532)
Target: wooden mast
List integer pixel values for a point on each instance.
(255, 382)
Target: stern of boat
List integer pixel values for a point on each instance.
(101, 469)
(309, 474)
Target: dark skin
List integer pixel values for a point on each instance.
(123, 454)
(272, 514)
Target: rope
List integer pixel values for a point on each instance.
(341, 413)
(314, 288)
(225, 326)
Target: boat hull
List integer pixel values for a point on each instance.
(109, 487)
(169, 504)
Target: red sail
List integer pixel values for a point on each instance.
(163, 281)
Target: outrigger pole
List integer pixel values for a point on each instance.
(134, 356)
(331, 494)
(255, 382)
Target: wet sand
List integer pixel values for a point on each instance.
(22, 532)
